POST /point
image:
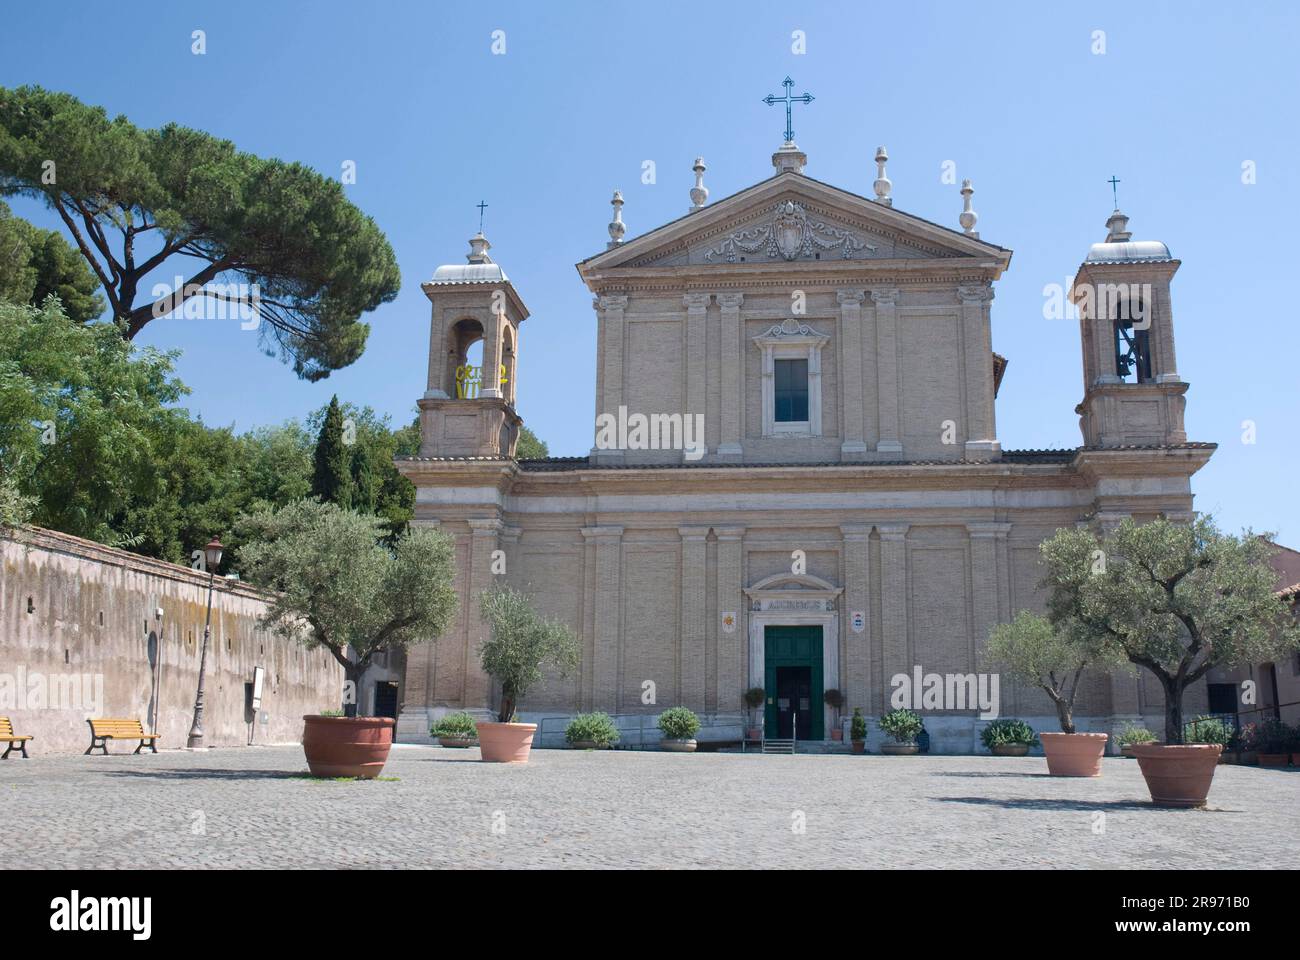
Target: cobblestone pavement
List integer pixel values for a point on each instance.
(255, 807)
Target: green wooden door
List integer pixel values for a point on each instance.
(792, 664)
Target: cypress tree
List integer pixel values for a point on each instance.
(363, 480)
(332, 476)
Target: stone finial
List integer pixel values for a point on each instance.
(616, 227)
(478, 249)
(789, 159)
(882, 186)
(968, 217)
(699, 192)
(1117, 228)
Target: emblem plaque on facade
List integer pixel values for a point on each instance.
(858, 620)
(728, 623)
(790, 234)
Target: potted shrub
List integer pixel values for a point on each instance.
(518, 645)
(591, 731)
(858, 732)
(1132, 735)
(679, 727)
(902, 727)
(1031, 650)
(754, 698)
(1295, 745)
(1271, 739)
(1177, 600)
(455, 730)
(835, 700)
(1208, 729)
(1007, 737)
(339, 584)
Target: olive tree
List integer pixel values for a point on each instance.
(339, 586)
(520, 642)
(1031, 650)
(1174, 599)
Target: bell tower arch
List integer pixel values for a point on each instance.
(468, 410)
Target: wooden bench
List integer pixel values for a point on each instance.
(102, 731)
(7, 734)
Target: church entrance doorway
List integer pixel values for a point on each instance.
(792, 660)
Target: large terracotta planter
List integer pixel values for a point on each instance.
(458, 743)
(754, 733)
(587, 745)
(1272, 759)
(347, 746)
(858, 746)
(505, 742)
(1010, 749)
(677, 746)
(899, 749)
(1074, 754)
(1178, 775)
(837, 735)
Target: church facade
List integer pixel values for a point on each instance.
(796, 481)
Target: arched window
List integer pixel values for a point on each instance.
(1132, 341)
(464, 358)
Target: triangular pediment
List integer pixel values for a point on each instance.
(792, 218)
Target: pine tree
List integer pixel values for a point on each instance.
(332, 478)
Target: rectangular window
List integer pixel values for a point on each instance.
(790, 389)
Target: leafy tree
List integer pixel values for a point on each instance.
(187, 203)
(341, 587)
(528, 446)
(83, 415)
(394, 499)
(332, 461)
(1032, 651)
(519, 644)
(278, 463)
(1175, 599)
(35, 263)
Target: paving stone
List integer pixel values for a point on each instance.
(255, 807)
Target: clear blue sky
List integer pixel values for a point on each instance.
(1012, 93)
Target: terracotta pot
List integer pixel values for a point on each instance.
(677, 746)
(1272, 759)
(899, 749)
(837, 735)
(754, 733)
(1009, 749)
(858, 746)
(1074, 754)
(588, 745)
(505, 742)
(1178, 775)
(1126, 750)
(347, 746)
(457, 742)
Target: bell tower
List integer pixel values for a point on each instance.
(1132, 393)
(469, 410)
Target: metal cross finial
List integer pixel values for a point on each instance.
(788, 100)
(481, 207)
(1114, 188)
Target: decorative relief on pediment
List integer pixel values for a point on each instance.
(791, 233)
(790, 329)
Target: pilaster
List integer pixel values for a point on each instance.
(608, 610)
(893, 602)
(732, 374)
(853, 443)
(887, 386)
(732, 642)
(697, 305)
(692, 663)
(857, 664)
(981, 435)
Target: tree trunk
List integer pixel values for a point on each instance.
(507, 708)
(1173, 710)
(1064, 709)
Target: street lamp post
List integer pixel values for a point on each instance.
(212, 556)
